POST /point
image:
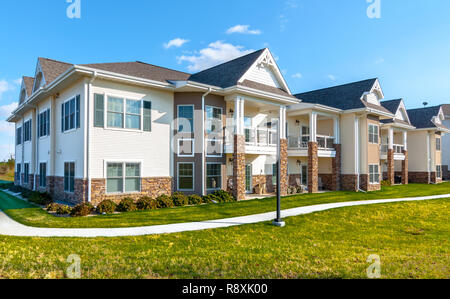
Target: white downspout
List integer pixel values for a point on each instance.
(203, 140)
(358, 179)
(429, 156)
(87, 134)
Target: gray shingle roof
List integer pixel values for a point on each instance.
(141, 70)
(227, 74)
(29, 82)
(52, 69)
(392, 105)
(446, 109)
(422, 118)
(344, 97)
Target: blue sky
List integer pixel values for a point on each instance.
(318, 43)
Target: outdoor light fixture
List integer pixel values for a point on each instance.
(299, 163)
(297, 122)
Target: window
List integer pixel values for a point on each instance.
(43, 175)
(127, 114)
(69, 177)
(26, 173)
(27, 131)
(214, 148)
(123, 177)
(186, 176)
(185, 119)
(213, 119)
(44, 123)
(248, 128)
(99, 110)
(274, 174)
(373, 134)
(439, 171)
(438, 144)
(305, 136)
(374, 174)
(70, 114)
(19, 172)
(185, 147)
(213, 176)
(19, 136)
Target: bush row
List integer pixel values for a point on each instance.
(39, 198)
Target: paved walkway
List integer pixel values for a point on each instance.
(10, 227)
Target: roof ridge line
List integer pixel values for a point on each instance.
(336, 86)
(58, 61)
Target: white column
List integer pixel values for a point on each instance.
(337, 137)
(391, 138)
(313, 126)
(405, 140)
(237, 106)
(282, 124)
(241, 118)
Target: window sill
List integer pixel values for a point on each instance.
(123, 193)
(124, 130)
(70, 131)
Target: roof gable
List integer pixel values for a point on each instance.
(446, 110)
(398, 108)
(423, 118)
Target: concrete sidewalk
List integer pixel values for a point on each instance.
(9, 227)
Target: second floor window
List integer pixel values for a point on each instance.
(374, 134)
(70, 114)
(213, 119)
(44, 123)
(27, 131)
(185, 119)
(19, 136)
(438, 144)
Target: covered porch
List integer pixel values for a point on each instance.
(394, 154)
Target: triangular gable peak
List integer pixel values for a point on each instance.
(375, 95)
(401, 113)
(39, 80)
(438, 119)
(265, 71)
(23, 96)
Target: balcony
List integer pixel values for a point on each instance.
(398, 151)
(298, 146)
(257, 141)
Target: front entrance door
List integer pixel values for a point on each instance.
(304, 175)
(248, 178)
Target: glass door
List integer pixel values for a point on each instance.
(304, 175)
(248, 178)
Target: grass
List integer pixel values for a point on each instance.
(411, 238)
(33, 216)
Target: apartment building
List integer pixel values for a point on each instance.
(446, 144)
(90, 132)
(425, 150)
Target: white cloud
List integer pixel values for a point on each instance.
(18, 81)
(177, 42)
(6, 110)
(5, 86)
(283, 22)
(291, 4)
(216, 53)
(297, 76)
(332, 77)
(379, 60)
(243, 29)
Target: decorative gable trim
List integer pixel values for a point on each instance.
(376, 88)
(266, 60)
(23, 95)
(402, 109)
(39, 80)
(438, 119)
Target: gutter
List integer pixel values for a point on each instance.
(203, 140)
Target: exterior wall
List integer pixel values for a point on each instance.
(347, 125)
(446, 149)
(417, 147)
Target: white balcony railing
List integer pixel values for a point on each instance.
(398, 149)
(324, 142)
(260, 137)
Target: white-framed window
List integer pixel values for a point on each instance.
(19, 173)
(214, 148)
(274, 174)
(213, 119)
(248, 125)
(374, 174)
(123, 177)
(438, 144)
(26, 173)
(69, 177)
(213, 176)
(27, 131)
(439, 171)
(44, 123)
(185, 118)
(19, 136)
(186, 147)
(43, 175)
(124, 113)
(70, 114)
(374, 134)
(185, 176)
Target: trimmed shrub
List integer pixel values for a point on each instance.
(82, 210)
(6, 186)
(15, 189)
(164, 201)
(106, 207)
(64, 210)
(195, 200)
(53, 207)
(146, 203)
(385, 183)
(27, 193)
(179, 199)
(211, 198)
(223, 196)
(126, 205)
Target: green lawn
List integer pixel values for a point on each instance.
(411, 238)
(33, 216)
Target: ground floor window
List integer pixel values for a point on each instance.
(43, 175)
(374, 174)
(123, 177)
(439, 171)
(69, 177)
(213, 176)
(186, 176)
(274, 174)
(18, 172)
(305, 175)
(26, 173)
